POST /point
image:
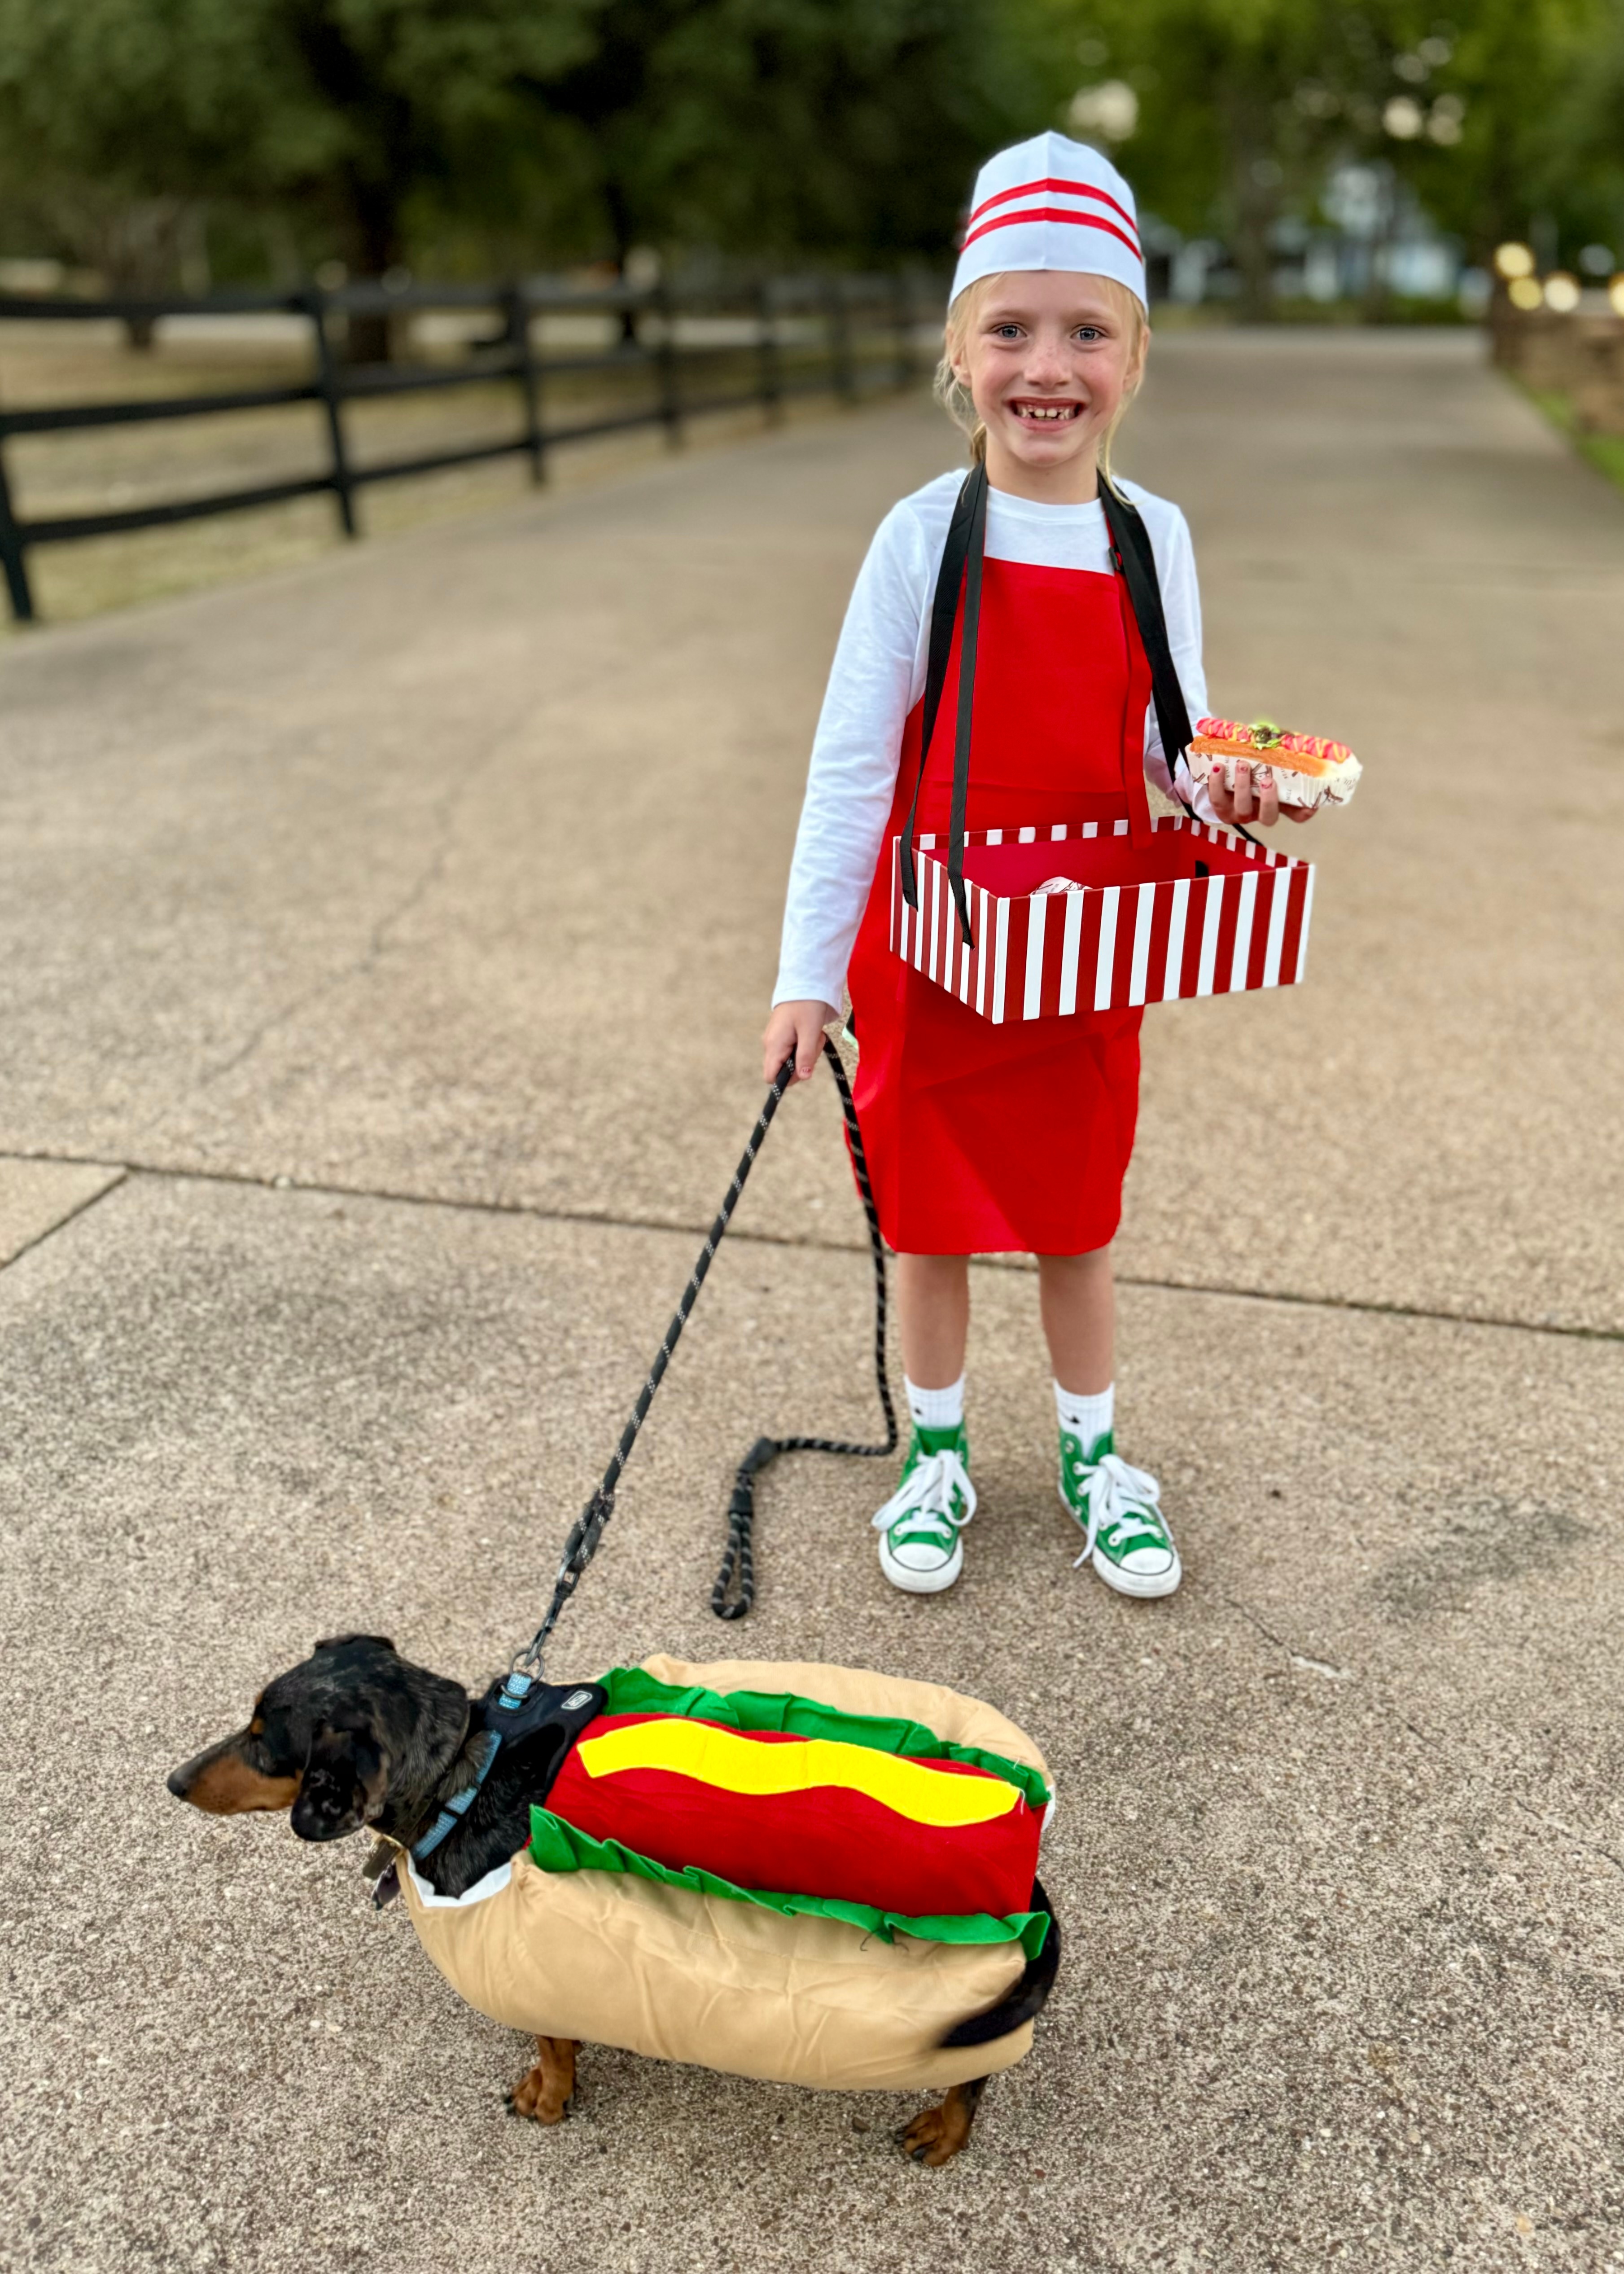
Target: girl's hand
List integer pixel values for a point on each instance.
(797, 1027)
(1254, 798)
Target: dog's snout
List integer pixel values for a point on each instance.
(221, 1783)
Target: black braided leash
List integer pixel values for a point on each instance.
(737, 1561)
(588, 1528)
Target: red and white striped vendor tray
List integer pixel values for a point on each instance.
(1201, 912)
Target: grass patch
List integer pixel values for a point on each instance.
(1605, 452)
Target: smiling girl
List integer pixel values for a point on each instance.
(987, 1139)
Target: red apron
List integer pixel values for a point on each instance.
(984, 1139)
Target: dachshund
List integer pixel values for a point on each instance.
(356, 1737)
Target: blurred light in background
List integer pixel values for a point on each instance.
(1112, 110)
(1562, 292)
(1513, 261)
(1597, 261)
(1403, 118)
(1524, 293)
(1615, 294)
(1445, 120)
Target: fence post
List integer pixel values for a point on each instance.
(843, 377)
(769, 374)
(517, 307)
(670, 376)
(13, 558)
(328, 381)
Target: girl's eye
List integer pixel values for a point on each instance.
(1088, 334)
(1006, 331)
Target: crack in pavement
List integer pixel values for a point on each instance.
(1566, 1832)
(1429, 1745)
(118, 1174)
(1298, 1658)
(442, 825)
(540, 1214)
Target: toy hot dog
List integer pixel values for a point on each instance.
(1307, 769)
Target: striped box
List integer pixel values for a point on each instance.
(1201, 912)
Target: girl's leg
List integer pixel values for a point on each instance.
(933, 1317)
(1077, 1295)
(921, 1549)
(1127, 1541)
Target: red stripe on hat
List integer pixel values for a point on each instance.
(1053, 213)
(1050, 189)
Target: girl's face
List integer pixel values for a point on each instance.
(1048, 359)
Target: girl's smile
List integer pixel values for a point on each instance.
(1050, 357)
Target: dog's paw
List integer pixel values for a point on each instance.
(536, 2095)
(935, 2137)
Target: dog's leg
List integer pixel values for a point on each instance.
(937, 2135)
(543, 2092)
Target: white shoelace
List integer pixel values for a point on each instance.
(929, 1492)
(1117, 1493)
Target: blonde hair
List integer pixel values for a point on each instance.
(955, 397)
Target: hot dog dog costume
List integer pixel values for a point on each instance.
(800, 1872)
(983, 1137)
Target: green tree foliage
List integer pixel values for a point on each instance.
(1247, 106)
(555, 129)
(341, 111)
(114, 121)
(853, 126)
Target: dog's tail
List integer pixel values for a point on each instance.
(1027, 1998)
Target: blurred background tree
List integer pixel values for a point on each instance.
(371, 131)
(159, 142)
(1232, 114)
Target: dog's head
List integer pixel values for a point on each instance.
(353, 1735)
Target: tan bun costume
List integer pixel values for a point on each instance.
(616, 1960)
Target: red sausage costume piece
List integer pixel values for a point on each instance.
(977, 1139)
(805, 1814)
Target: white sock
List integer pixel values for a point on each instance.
(937, 1409)
(1088, 1418)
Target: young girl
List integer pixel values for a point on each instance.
(982, 1137)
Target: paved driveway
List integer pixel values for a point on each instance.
(384, 947)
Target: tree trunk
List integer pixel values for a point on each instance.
(1254, 194)
(376, 235)
(620, 229)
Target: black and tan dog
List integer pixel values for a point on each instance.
(355, 1737)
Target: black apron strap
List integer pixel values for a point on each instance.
(944, 611)
(1131, 544)
(961, 567)
(1135, 563)
(968, 638)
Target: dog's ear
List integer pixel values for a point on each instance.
(233, 1777)
(343, 1786)
(338, 1642)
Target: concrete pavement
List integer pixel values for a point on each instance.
(402, 926)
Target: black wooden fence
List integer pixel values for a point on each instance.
(840, 334)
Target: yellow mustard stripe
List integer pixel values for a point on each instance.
(722, 1758)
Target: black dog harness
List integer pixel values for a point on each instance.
(517, 1707)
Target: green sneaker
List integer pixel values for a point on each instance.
(1119, 1508)
(920, 1550)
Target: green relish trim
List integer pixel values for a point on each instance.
(557, 1846)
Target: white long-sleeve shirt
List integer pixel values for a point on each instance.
(879, 674)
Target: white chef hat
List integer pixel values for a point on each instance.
(1051, 203)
